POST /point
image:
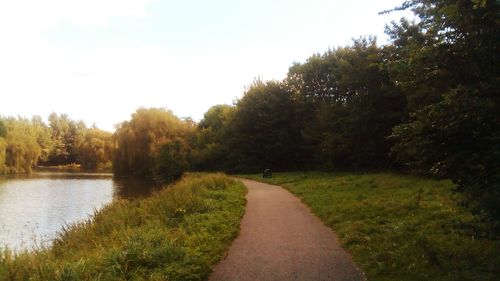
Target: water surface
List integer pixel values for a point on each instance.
(33, 208)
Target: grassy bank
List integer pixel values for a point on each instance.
(176, 234)
(399, 227)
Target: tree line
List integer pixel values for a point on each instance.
(25, 143)
(426, 103)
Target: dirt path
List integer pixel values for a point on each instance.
(281, 240)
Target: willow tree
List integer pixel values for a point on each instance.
(144, 143)
(95, 150)
(19, 150)
(3, 146)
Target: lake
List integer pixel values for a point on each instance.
(33, 208)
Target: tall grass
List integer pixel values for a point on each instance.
(175, 234)
(400, 227)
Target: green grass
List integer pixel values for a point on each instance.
(399, 227)
(176, 234)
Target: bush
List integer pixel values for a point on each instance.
(458, 139)
(171, 160)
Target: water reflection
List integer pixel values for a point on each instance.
(34, 207)
(133, 188)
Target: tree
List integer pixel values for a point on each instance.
(3, 155)
(24, 143)
(95, 149)
(171, 161)
(139, 141)
(44, 137)
(3, 129)
(3, 147)
(67, 135)
(20, 146)
(349, 106)
(263, 132)
(447, 66)
(209, 147)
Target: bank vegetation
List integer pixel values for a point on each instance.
(175, 234)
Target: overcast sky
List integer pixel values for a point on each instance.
(100, 60)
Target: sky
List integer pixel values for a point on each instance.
(100, 60)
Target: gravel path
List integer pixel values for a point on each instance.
(281, 239)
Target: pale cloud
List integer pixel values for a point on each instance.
(38, 76)
(34, 16)
(107, 82)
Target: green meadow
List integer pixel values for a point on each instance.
(399, 227)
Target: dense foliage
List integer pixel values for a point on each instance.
(20, 148)
(175, 234)
(25, 143)
(95, 150)
(209, 146)
(262, 132)
(447, 67)
(152, 144)
(349, 106)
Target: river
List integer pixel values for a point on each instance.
(33, 208)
